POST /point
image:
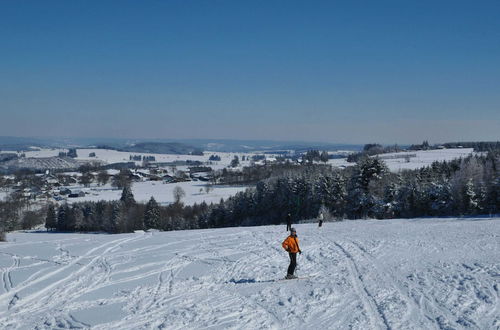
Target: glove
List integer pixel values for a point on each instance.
(300, 252)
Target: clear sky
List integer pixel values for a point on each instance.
(333, 71)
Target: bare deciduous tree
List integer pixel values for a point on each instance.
(179, 193)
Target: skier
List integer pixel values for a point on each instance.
(320, 219)
(291, 244)
(288, 222)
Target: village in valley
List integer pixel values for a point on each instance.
(66, 175)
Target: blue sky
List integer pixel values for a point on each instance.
(332, 71)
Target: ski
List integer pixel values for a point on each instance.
(297, 278)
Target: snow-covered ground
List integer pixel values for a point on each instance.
(411, 160)
(112, 156)
(162, 192)
(395, 161)
(391, 274)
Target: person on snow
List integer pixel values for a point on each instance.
(288, 222)
(291, 245)
(320, 219)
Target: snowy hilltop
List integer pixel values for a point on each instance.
(391, 274)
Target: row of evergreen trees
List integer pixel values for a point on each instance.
(367, 190)
(123, 216)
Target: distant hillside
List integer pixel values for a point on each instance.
(180, 146)
(162, 148)
(19, 144)
(267, 146)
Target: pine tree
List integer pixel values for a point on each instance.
(493, 197)
(100, 215)
(438, 197)
(152, 214)
(371, 169)
(89, 217)
(469, 199)
(127, 197)
(51, 218)
(235, 162)
(78, 218)
(114, 219)
(62, 217)
(324, 157)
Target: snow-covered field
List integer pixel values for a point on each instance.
(112, 156)
(422, 158)
(395, 161)
(411, 160)
(391, 274)
(162, 192)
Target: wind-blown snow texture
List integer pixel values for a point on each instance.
(391, 274)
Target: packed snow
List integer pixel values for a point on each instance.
(389, 274)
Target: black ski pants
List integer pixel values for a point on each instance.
(293, 263)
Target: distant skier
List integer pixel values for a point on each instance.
(291, 244)
(320, 219)
(288, 222)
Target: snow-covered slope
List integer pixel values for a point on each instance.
(395, 274)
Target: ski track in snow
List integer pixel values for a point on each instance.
(394, 274)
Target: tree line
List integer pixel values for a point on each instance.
(478, 146)
(124, 215)
(367, 190)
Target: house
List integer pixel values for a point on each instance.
(199, 169)
(76, 193)
(155, 178)
(201, 176)
(64, 191)
(168, 179)
(50, 179)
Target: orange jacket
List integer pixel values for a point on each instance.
(291, 244)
